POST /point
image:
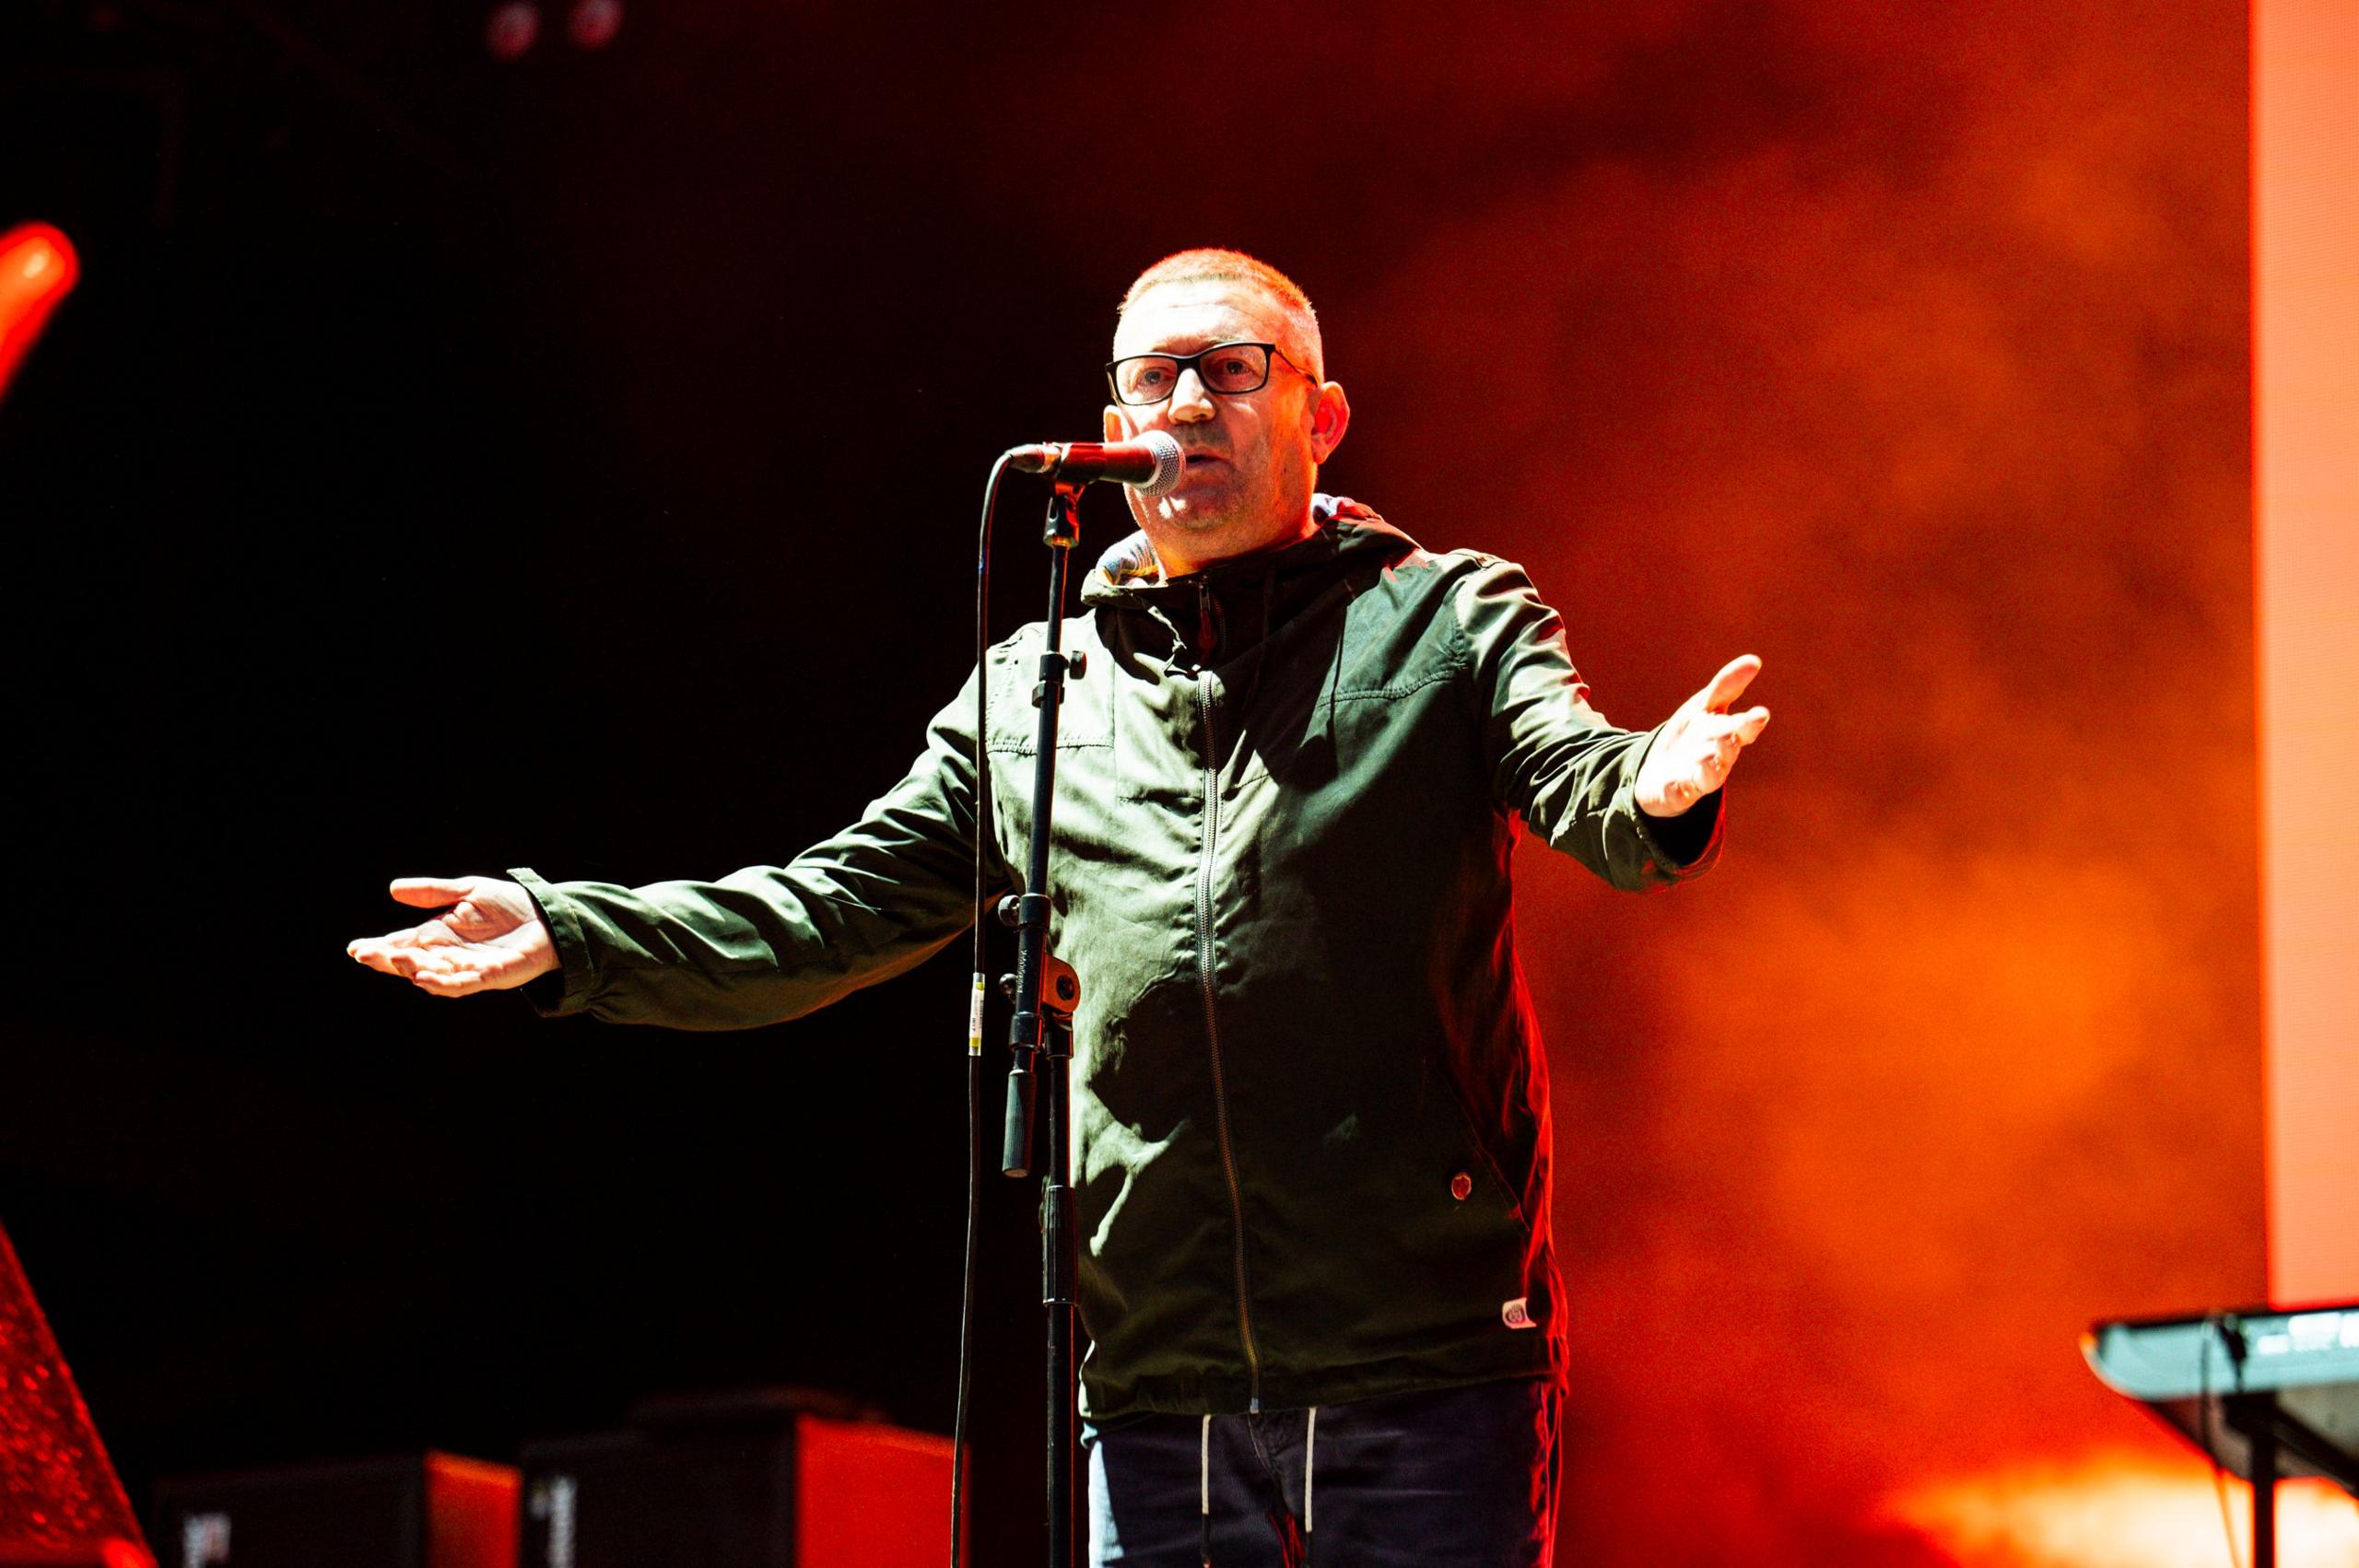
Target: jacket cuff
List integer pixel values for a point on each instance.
(566, 989)
(1682, 842)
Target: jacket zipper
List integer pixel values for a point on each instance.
(1212, 1036)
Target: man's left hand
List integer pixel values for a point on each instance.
(1696, 751)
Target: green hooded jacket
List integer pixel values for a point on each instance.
(1310, 1114)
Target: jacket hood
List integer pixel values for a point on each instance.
(1347, 529)
(1231, 606)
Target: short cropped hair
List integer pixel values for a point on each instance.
(1212, 265)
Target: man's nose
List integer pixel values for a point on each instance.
(1191, 403)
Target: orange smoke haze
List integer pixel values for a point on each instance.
(2127, 1511)
(1913, 358)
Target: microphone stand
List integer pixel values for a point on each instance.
(1041, 1033)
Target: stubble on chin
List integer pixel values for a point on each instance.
(1191, 516)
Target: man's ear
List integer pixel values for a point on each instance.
(1330, 415)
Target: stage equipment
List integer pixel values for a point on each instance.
(2264, 1393)
(765, 1479)
(1152, 465)
(60, 1503)
(411, 1510)
(1043, 990)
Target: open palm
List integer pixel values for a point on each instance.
(1697, 746)
(488, 936)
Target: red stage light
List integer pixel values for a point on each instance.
(594, 23)
(38, 268)
(59, 1498)
(509, 30)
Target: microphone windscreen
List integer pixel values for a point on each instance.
(1170, 463)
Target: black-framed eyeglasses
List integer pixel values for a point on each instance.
(1230, 369)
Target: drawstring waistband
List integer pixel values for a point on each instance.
(1204, 1487)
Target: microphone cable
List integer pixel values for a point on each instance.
(975, 1003)
(2228, 1329)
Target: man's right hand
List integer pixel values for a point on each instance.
(490, 937)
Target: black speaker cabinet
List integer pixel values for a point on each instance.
(415, 1511)
(748, 1481)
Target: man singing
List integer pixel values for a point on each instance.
(1310, 1098)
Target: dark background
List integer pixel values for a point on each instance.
(446, 465)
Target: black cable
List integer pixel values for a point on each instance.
(2214, 1325)
(975, 1012)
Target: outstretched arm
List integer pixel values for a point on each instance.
(757, 946)
(488, 938)
(1603, 795)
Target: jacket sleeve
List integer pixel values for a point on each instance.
(772, 942)
(1553, 760)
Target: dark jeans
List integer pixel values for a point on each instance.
(1457, 1477)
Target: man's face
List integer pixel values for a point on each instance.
(1252, 457)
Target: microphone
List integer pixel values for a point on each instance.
(1151, 466)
